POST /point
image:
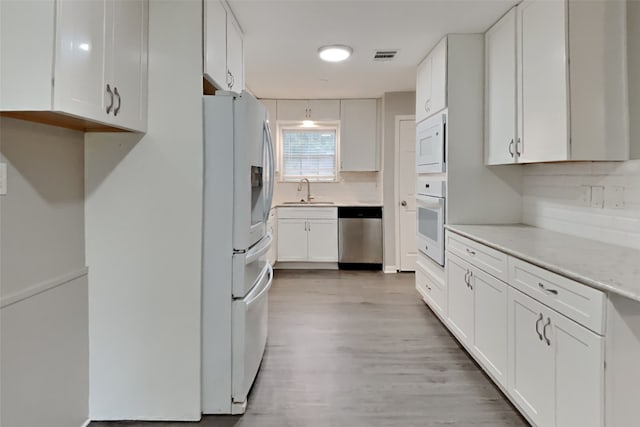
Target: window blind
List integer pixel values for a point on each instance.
(309, 153)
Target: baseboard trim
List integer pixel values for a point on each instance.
(41, 287)
(86, 423)
(306, 266)
(389, 269)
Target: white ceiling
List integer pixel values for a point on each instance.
(282, 38)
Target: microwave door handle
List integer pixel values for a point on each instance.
(430, 205)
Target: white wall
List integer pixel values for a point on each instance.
(353, 187)
(144, 224)
(393, 104)
(554, 198)
(44, 341)
(633, 49)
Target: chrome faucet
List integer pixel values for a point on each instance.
(309, 196)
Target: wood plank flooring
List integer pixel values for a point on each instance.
(361, 349)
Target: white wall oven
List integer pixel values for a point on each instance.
(430, 144)
(430, 217)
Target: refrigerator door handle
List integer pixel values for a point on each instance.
(260, 290)
(269, 142)
(259, 249)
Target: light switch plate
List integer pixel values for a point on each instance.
(597, 196)
(3, 179)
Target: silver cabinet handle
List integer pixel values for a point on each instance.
(403, 203)
(470, 277)
(517, 145)
(511, 147)
(466, 278)
(309, 225)
(538, 326)
(544, 331)
(110, 106)
(426, 105)
(470, 252)
(551, 291)
(117, 109)
(229, 77)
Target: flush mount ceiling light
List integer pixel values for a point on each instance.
(334, 53)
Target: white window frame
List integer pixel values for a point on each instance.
(296, 125)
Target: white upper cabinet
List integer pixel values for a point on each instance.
(127, 47)
(544, 131)
(500, 87)
(431, 84)
(98, 50)
(359, 135)
(223, 48)
(309, 109)
(569, 92)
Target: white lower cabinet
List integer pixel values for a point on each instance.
(490, 323)
(307, 235)
(292, 239)
(460, 298)
(549, 361)
(556, 366)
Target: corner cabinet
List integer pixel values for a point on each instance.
(307, 234)
(431, 84)
(554, 89)
(359, 135)
(223, 47)
(98, 49)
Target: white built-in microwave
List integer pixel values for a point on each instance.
(430, 218)
(430, 144)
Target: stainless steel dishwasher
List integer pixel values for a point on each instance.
(360, 237)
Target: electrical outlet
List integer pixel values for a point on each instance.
(597, 196)
(3, 179)
(614, 197)
(585, 195)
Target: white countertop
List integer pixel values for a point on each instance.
(611, 268)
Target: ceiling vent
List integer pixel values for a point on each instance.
(385, 54)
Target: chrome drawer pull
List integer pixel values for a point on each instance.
(469, 251)
(551, 291)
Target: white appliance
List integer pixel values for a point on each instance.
(430, 217)
(431, 136)
(236, 277)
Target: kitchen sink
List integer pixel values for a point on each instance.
(308, 203)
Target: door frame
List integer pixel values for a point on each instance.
(396, 183)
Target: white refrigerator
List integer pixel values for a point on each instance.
(236, 277)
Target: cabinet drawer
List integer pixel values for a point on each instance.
(576, 301)
(432, 290)
(308, 213)
(485, 258)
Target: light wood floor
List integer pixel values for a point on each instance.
(361, 349)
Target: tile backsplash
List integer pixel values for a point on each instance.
(595, 200)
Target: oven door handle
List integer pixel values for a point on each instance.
(430, 205)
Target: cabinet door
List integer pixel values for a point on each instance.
(490, 326)
(235, 55)
(127, 50)
(579, 373)
(423, 90)
(543, 88)
(531, 361)
(324, 109)
(292, 240)
(215, 43)
(80, 88)
(438, 77)
(358, 135)
(460, 298)
(323, 240)
(293, 109)
(500, 91)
